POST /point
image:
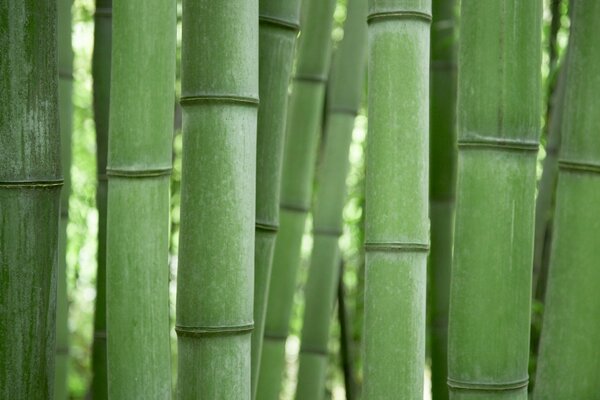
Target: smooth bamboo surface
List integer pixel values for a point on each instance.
(397, 181)
(65, 109)
(278, 30)
(30, 183)
(138, 169)
(442, 182)
(302, 132)
(569, 358)
(345, 92)
(499, 88)
(101, 61)
(216, 248)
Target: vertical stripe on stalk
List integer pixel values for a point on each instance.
(345, 94)
(101, 60)
(216, 265)
(397, 177)
(300, 149)
(138, 168)
(569, 358)
(498, 127)
(278, 29)
(30, 183)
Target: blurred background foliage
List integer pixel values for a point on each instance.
(82, 228)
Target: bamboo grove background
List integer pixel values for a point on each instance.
(81, 335)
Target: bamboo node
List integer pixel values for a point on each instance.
(442, 65)
(294, 208)
(279, 22)
(65, 75)
(499, 144)
(274, 337)
(217, 330)
(397, 247)
(149, 173)
(343, 110)
(32, 184)
(100, 334)
(454, 384)
(315, 351)
(220, 98)
(328, 232)
(266, 226)
(400, 14)
(579, 167)
(103, 12)
(310, 78)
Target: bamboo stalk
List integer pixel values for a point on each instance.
(345, 94)
(101, 61)
(498, 133)
(138, 169)
(65, 108)
(346, 344)
(30, 183)
(278, 29)
(303, 121)
(216, 265)
(397, 174)
(569, 357)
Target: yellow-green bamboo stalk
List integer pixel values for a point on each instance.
(138, 169)
(278, 29)
(300, 150)
(101, 75)
(216, 250)
(30, 183)
(397, 177)
(65, 90)
(569, 358)
(345, 91)
(498, 131)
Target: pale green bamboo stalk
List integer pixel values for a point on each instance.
(65, 108)
(300, 150)
(442, 182)
(101, 61)
(498, 131)
(569, 358)
(345, 93)
(278, 29)
(397, 177)
(216, 265)
(30, 183)
(138, 169)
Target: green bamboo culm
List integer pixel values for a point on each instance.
(498, 116)
(278, 29)
(138, 170)
(65, 109)
(300, 151)
(397, 184)
(345, 90)
(569, 357)
(30, 184)
(216, 253)
(442, 185)
(101, 61)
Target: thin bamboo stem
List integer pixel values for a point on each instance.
(216, 264)
(346, 344)
(344, 100)
(138, 169)
(569, 357)
(498, 132)
(278, 30)
(30, 183)
(101, 61)
(303, 121)
(397, 175)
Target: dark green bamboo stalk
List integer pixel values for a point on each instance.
(216, 264)
(498, 127)
(65, 108)
(278, 29)
(345, 94)
(346, 344)
(397, 177)
(138, 169)
(101, 61)
(300, 150)
(569, 358)
(30, 183)
(442, 185)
